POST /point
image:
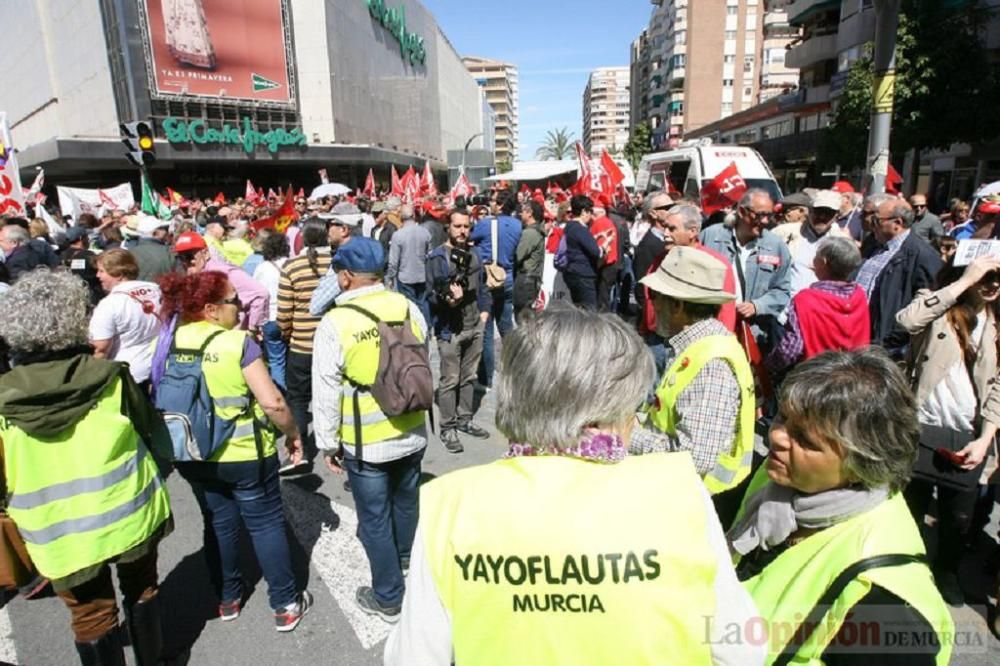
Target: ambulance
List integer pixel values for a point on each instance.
(686, 169)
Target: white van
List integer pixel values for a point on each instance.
(687, 168)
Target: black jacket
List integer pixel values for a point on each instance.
(29, 256)
(646, 252)
(915, 266)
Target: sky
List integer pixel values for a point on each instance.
(555, 45)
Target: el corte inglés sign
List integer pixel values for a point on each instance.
(246, 135)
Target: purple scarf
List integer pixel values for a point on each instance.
(593, 445)
(163, 342)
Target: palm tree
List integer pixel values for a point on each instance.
(558, 145)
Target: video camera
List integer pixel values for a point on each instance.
(461, 259)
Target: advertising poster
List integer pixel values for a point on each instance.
(234, 49)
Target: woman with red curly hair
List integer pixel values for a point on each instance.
(240, 479)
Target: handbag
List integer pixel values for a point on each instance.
(496, 275)
(934, 466)
(16, 567)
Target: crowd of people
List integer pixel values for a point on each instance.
(835, 327)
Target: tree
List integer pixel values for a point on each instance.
(558, 145)
(639, 143)
(946, 92)
(503, 166)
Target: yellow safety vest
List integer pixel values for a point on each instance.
(228, 388)
(360, 343)
(555, 560)
(788, 588)
(86, 495)
(734, 465)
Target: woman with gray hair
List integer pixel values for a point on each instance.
(829, 315)
(824, 532)
(567, 550)
(77, 475)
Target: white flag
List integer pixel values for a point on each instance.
(75, 201)
(50, 222)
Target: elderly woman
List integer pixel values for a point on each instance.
(602, 558)
(78, 478)
(824, 526)
(125, 323)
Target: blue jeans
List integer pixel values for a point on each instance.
(503, 313)
(386, 499)
(417, 294)
(227, 492)
(274, 345)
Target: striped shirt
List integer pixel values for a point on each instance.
(295, 290)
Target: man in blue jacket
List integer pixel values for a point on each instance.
(582, 253)
(508, 230)
(760, 260)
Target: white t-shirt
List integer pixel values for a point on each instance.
(268, 273)
(128, 317)
(952, 403)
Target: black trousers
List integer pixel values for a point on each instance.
(582, 290)
(955, 509)
(298, 376)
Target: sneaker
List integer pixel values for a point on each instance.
(473, 430)
(369, 604)
(230, 610)
(289, 617)
(948, 586)
(450, 440)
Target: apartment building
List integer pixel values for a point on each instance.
(606, 110)
(706, 61)
(500, 82)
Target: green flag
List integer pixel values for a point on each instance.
(151, 203)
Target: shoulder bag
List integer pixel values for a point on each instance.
(496, 275)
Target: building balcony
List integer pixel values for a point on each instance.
(801, 11)
(775, 18)
(858, 28)
(811, 51)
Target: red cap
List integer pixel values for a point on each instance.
(601, 201)
(842, 186)
(988, 207)
(189, 241)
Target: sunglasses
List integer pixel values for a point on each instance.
(757, 217)
(235, 300)
(664, 207)
(920, 205)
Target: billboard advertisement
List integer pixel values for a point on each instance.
(230, 49)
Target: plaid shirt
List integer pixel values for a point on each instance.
(706, 409)
(792, 347)
(872, 268)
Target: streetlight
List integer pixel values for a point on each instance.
(886, 22)
(466, 149)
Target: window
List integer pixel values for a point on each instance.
(728, 59)
(727, 108)
(730, 34)
(747, 91)
(727, 83)
(732, 11)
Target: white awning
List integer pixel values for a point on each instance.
(537, 170)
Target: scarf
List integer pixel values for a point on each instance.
(775, 512)
(593, 445)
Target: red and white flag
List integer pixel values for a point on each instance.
(251, 193)
(11, 194)
(462, 188)
(323, 178)
(411, 185)
(397, 185)
(271, 194)
(34, 193)
(369, 190)
(427, 185)
(723, 191)
(611, 174)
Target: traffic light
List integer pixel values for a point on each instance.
(138, 138)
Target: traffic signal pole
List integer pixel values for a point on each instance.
(883, 88)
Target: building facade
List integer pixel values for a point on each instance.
(272, 94)
(500, 82)
(706, 61)
(606, 110)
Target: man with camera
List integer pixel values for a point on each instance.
(460, 305)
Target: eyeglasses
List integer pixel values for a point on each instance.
(887, 219)
(235, 300)
(920, 205)
(663, 207)
(757, 217)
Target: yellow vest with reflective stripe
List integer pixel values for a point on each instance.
(733, 465)
(88, 494)
(360, 343)
(554, 560)
(789, 587)
(228, 388)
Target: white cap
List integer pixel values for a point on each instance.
(148, 224)
(827, 199)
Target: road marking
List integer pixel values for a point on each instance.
(8, 653)
(337, 555)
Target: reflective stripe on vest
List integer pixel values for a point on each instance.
(85, 495)
(577, 580)
(788, 588)
(359, 341)
(223, 372)
(732, 466)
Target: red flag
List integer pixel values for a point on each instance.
(524, 188)
(462, 188)
(893, 180)
(271, 194)
(260, 195)
(411, 185)
(301, 194)
(251, 194)
(724, 190)
(220, 198)
(590, 177)
(397, 185)
(427, 185)
(612, 174)
(282, 217)
(369, 190)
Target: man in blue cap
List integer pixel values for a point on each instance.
(381, 453)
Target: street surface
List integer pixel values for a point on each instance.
(329, 557)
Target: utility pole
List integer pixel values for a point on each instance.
(877, 165)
